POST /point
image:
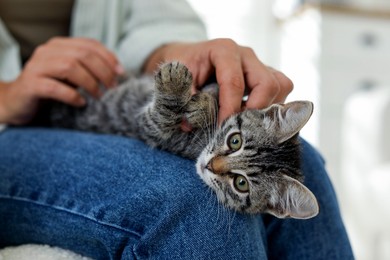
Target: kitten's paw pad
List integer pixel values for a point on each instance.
(173, 77)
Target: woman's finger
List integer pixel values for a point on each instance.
(53, 89)
(95, 57)
(285, 83)
(68, 70)
(225, 57)
(262, 85)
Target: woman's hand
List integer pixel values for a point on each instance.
(54, 71)
(236, 68)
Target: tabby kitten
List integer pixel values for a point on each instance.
(251, 161)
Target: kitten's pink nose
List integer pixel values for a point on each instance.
(218, 165)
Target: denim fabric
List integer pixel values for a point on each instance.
(110, 197)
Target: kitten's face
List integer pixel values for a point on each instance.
(252, 163)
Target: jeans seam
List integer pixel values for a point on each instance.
(71, 212)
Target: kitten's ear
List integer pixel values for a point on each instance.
(296, 201)
(290, 118)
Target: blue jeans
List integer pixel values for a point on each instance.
(110, 197)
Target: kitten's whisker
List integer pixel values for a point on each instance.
(232, 216)
(213, 124)
(198, 140)
(210, 120)
(213, 202)
(204, 132)
(206, 129)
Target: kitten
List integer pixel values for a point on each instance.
(251, 161)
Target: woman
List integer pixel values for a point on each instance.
(110, 197)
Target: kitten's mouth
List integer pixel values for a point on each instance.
(202, 167)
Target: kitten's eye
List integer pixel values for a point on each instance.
(240, 183)
(234, 142)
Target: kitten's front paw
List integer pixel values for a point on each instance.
(202, 110)
(174, 78)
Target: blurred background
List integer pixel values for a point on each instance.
(337, 52)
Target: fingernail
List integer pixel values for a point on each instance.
(119, 69)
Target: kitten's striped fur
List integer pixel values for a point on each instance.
(262, 175)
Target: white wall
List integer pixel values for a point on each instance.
(248, 22)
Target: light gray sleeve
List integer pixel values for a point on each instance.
(152, 23)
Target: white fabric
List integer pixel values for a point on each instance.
(38, 252)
